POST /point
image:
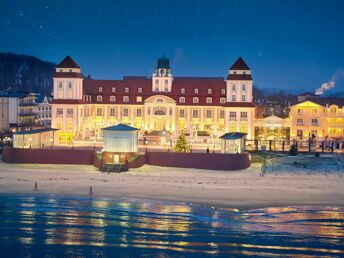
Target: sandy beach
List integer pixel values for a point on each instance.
(287, 181)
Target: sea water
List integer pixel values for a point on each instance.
(60, 226)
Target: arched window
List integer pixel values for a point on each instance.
(195, 100)
(182, 90)
(222, 100)
(181, 99)
(232, 127)
(209, 100)
(112, 98)
(243, 127)
(159, 112)
(99, 98)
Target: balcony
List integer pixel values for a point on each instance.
(26, 114)
(27, 104)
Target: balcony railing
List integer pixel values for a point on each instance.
(28, 114)
(27, 104)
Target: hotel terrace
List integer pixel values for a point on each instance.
(210, 106)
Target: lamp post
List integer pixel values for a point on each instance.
(51, 143)
(146, 143)
(30, 140)
(94, 144)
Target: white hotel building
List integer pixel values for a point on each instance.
(196, 105)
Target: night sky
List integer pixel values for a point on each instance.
(288, 44)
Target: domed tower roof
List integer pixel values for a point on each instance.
(163, 62)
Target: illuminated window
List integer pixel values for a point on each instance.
(125, 99)
(112, 98)
(126, 90)
(99, 98)
(222, 100)
(181, 99)
(113, 89)
(223, 91)
(159, 112)
(210, 91)
(139, 99)
(69, 124)
(59, 111)
(139, 90)
(182, 90)
(209, 100)
(100, 89)
(333, 110)
(196, 91)
(315, 122)
(59, 123)
(243, 127)
(232, 127)
(195, 100)
(60, 91)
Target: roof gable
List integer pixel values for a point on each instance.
(239, 65)
(68, 62)
(121, 127)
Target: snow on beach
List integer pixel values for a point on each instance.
(301, 180)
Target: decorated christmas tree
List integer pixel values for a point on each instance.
(293, 150)
(181, 144)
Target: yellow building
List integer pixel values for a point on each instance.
(321, 117)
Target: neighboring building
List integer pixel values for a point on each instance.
(307, 95)
(211, 105)
(34, 110)
(321, 117)
(9, 110)
(34, 139)
(44, 110)
(272, 128)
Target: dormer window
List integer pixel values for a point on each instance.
(209, 100)
(113, 89)
(181, 99)
(100, 89)
(125, 98)
(139, 90)
(223, 91)
(182, 91)
(210, 91)
(222, 100)
(99, 98)
(195, 100)
(196, 91)
(112, 98)
(139, 99)
(126, 90)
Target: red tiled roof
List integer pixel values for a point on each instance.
(216, 84)
(68, 62)
(238, 104)
(68, 101)
(239, 77)
(67, 75)
(239, 65)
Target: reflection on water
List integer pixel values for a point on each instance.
(55, 226)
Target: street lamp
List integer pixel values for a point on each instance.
(94, 144)
(146, 143)
(30, 142)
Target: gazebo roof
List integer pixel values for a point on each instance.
(121, 127)
(41, 130)
(233, 136)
